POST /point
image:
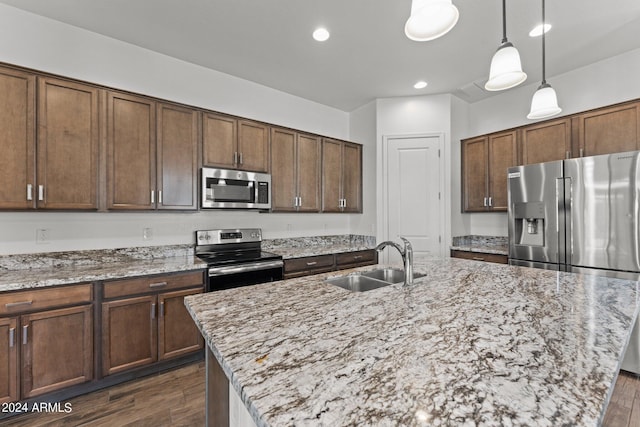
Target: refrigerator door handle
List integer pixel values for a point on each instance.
(568, 199)
(560, 206)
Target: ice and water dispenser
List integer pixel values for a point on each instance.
(529, 223)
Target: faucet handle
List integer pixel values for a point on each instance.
(407, 243)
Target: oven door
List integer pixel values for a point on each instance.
(235, 276)
(232, 189)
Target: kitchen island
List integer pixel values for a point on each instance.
(468, 343)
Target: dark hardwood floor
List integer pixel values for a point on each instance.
(176, 398)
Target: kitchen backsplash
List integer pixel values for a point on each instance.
(475, 240)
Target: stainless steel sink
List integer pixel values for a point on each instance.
(369, 280)
(357, 283)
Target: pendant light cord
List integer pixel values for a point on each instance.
(544, 80)
(504, 21)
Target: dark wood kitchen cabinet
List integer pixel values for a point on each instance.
(177, 157)
(546, 141)
(232, 143)
(485, 161)
(131, 152)
(341, 176)
(295, 175)
(144, 320)
(480, 256)
(17, 139)
(50, 340)
(608, 130)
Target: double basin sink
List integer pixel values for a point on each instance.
(369, 280)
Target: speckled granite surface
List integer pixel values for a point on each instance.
(485, 244)
(60, 268)
(321, 245)
(468, 344)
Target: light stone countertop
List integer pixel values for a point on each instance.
(315, 250)
(485, 249)
(468, 344)
(11, 280)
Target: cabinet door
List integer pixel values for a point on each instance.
(8, 360)
(131, 147)
(129, 334)
(177, 332)
(219, 141)
(17, 139)
(253, 146)
(308, 172)
(502, 155)
(331, 175)
(68, 139)
(474, 174)
(283, 174)
(57, 349)
(177, 168)
(546, 142)
(609, 130)
(352, 177)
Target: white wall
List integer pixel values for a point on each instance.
(32, 41)
(362, 122)
(602, 83)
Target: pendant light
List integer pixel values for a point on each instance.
(506, 70)
(544, 102)
(430, 19)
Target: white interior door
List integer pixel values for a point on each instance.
(414, 194)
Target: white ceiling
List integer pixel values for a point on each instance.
(368, 56)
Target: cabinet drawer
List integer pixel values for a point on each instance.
(359, 257)
(480, 256)
(308, 264)
(45, 298)
(146, 284)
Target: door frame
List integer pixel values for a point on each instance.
(383, 206)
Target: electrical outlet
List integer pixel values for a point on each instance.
(147, 233)
(42, 236)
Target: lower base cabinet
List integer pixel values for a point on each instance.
(139, 330)
(305, 266)
(480, 256)
(44, 348)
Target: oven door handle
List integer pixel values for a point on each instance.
(224, 271)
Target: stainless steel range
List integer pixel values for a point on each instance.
(235, 258)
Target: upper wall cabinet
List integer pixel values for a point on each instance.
(341, 176)
(485, 161)
(131, 152)
(177, 156)
(295, 171)
(609, 130)
(17, 139)
(546, 141)
(68, 138)
(231, 143)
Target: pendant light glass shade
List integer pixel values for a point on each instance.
(544, 103)
(506, 69)
(430, 19)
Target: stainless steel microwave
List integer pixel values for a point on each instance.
(233, 189)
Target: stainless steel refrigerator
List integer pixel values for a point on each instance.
(579, 215)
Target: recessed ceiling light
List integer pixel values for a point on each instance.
(321, 34)
(537, 31)
(420, 85)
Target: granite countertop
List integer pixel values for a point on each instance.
(484, 244)
(468, 344)
(62, 268)
(315, 250)
(321, 245)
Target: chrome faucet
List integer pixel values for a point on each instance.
(407, 257)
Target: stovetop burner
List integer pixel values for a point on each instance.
(231, 246)
(235, 257)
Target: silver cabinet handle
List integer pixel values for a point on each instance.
(158, 285)
(161, 310)
(25, 334)
(153, 311)
(235, 157)
(160, 196)
(240, 158)
(475, 258)
(344, 203)
(153, 196)
(17, 304)
(299, 201)
(312, 263)
(485, 202)
(568, 155)
(41, 192)
(295, 202)
(582, 152)
(12, 337)
(490, 201)
(357, 257)
(29, 192)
